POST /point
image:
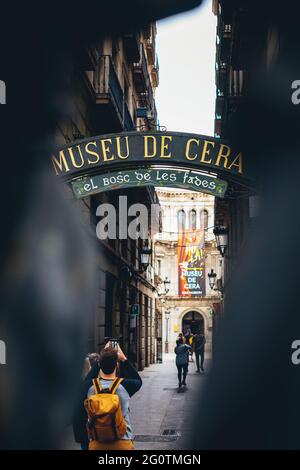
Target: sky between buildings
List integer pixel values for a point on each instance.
(186, 49)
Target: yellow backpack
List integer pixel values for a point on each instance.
(106, 422)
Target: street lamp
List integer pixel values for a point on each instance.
(221, 234)
(145, 255)
(167, 317)
(166, 291)
(166, 282)
(212, 278)
(212, 281)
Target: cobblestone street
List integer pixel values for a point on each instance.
(157, 408)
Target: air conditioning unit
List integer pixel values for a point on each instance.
(142, 113)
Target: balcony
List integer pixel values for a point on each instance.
(150, 50)
(223, 47)
(146, 108)
(149, 114)
(112, 111)
(221, 77)
(131, 43)
(226, 31)
(155, 73)
(140, 73)
(219, 106)
(218, 127)
(154, 111)
(87, 57)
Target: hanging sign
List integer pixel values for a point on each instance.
(90, 185)
(191, 263)
(129, 150)
(135, 309)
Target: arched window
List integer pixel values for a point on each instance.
(181, 220)
(192, 220)
(204, 218)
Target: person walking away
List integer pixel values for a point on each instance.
(191, 342)
(187, 337)
(181, 337)
(182, 362)
(103, 387)
(199, 346)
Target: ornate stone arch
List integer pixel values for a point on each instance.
(197, 310)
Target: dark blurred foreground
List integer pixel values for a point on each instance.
(251, 400)
(47, 260)
(47, 276)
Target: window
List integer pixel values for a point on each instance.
(159, 267)
(181, 220)
(115, 52)
(236, 81)
(192, 221)
(2, 92)
(133, 252)
(204, 219)
(126, 87)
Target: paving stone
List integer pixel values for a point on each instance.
(161, 404)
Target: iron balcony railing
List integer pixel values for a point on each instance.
(131, 43)
(151, 48)
(146, 97)
(107, 84)
(145, 92)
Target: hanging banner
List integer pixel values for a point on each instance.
(191, 263)
(89, 185)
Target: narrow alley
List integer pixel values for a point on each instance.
(162, 418)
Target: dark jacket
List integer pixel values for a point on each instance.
(132, 383)
(199, 342)
(182, 354)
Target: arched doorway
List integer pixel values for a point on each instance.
(193, 321)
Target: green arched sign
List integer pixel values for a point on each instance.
(140, 151)
(159, 177)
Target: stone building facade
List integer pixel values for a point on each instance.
(236, 70)
(113, 85)
(180, 313)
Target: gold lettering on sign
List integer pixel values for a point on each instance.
(188, 148)
(73, 158)
(146, 146)
(60, 164)
(206, 152)
(106, 150)
(223, 156)
(91, 152)
(237, 162)
(119, 152)
(165, 146)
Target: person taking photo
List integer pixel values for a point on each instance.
(104, 409)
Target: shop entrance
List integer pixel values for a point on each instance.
(193, 321)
